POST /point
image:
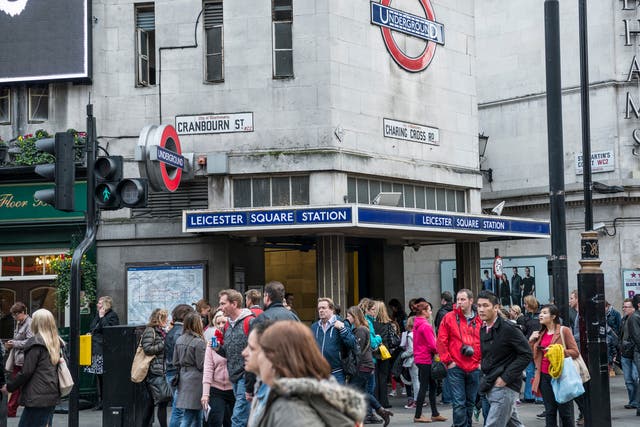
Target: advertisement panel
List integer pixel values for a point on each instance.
(44, 40)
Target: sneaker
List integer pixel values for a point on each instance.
(404, 391)
(392, 393)
(542, 415)
(410, 405)
(476, 414)
(372, 419)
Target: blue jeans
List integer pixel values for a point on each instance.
(630, 379)
(36, 417)
(528, 393)
(176, 413)
(241, 409)
(192, 418)
(361, 382)
(464, 389)
(446, 391)
(339, 376)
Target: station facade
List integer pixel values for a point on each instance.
(331, 145)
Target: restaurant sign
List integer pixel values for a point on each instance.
(17, 204)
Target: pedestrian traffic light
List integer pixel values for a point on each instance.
(62, 172)
(112, 191)
(108, 173)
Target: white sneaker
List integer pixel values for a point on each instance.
(392, 393)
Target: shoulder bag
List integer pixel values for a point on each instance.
(65, 380)
(581, 367)
(141, 362)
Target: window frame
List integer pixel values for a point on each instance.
(144, 41)
(206, 50)
(30, 96)
(7, 99)
(274, 23)
(292, 198)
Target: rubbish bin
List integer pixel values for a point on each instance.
(122, 400)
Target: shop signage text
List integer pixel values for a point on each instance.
(630, 283)
(410, 132)
(601, 161)
(214, 123)
(427, 29)
(631, 38)
(18, 205)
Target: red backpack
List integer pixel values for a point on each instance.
(246, 322)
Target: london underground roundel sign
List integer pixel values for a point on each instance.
(424, 28)
(160, 157)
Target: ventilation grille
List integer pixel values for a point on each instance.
(192, 195)
(212, 14)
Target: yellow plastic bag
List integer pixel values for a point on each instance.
(384, 352)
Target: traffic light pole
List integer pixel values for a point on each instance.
(76, 272)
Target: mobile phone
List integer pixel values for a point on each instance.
(214, 342)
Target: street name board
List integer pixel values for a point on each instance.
(214, 123)
(410, 132)
(601, 161)
(266, 218)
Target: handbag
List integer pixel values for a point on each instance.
(438, 371)
(11, 361)
(382, 352)
(159, 389)
(568, 385)
(65, 380)
(141, 362)
(581, 367)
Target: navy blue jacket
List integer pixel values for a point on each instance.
(332, 342)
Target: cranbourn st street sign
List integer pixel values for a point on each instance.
(214, 123)
(427, 29)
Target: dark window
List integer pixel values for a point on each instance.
(261, 192)
(145, 45)
(282, 16)
(5, 105)
(299, 190)
(242, 193)
(214, 62)
(38, 104)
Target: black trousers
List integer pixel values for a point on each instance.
(221, 403)
(553, 408)
(426, 382)
(382, 371)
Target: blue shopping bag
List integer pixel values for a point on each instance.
(568, 385)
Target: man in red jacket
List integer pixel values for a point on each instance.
(459, 348)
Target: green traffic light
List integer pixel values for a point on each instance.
(106, 194)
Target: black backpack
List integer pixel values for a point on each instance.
(351, 359)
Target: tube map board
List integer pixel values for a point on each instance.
(161, 286)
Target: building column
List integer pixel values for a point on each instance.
(331, 268)
(468, 267)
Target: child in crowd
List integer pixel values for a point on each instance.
(409, 364)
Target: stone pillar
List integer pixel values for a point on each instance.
(468, 267)
(331, 268)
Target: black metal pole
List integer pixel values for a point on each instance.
(76, 271)
(558, 257)
(586, 123)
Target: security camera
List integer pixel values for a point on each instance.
(599, 226)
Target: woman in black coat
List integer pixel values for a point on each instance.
(152, 343)
(104, 317)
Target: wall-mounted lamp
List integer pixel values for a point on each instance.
(483, 140)
(387, 198)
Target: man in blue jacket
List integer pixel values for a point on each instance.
(332, 337)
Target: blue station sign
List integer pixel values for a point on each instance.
(407, 23)
(362, 218)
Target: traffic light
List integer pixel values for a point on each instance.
(63, 172)
(113, 192)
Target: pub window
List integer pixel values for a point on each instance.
(38, 104)
(282, 16)
(32, 266)
(5, 106)
(145, 45)
(214, 61)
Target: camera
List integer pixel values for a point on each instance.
(467, 351)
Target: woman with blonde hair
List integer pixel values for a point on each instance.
(38, 379)
(300, 382)
(188, 357)
(387, 329)
(153, 343)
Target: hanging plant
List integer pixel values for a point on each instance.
(62, 267)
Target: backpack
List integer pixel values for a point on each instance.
(246, 323)
(351, 359)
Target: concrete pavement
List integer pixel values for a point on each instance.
(404, 417)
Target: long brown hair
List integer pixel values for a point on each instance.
(192, 324)
(358, 317)
(293, 352)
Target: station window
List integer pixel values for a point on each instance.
(5, 106)
(364, 191)
(145, 44)
(282, 16)
(214, 59)
(38, 104)
(270, 191)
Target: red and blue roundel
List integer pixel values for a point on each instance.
(427, 29)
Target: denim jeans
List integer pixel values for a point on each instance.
(360, 382)
(464, 388)
(191, 418)
(630, 379)
(242, 406)
(176, 413)
(553, 408)
(446, 391)
(502, 408)
(36, 417)
(528, 393)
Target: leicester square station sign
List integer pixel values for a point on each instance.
(426, 29)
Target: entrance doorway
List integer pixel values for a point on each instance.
(34, 294)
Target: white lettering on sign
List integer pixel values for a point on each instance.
(601, 161)
(493, 225)
(437, 221)
(215, 219)
(410, 132)
(214, 123)
(319, 216)
(271, 217)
